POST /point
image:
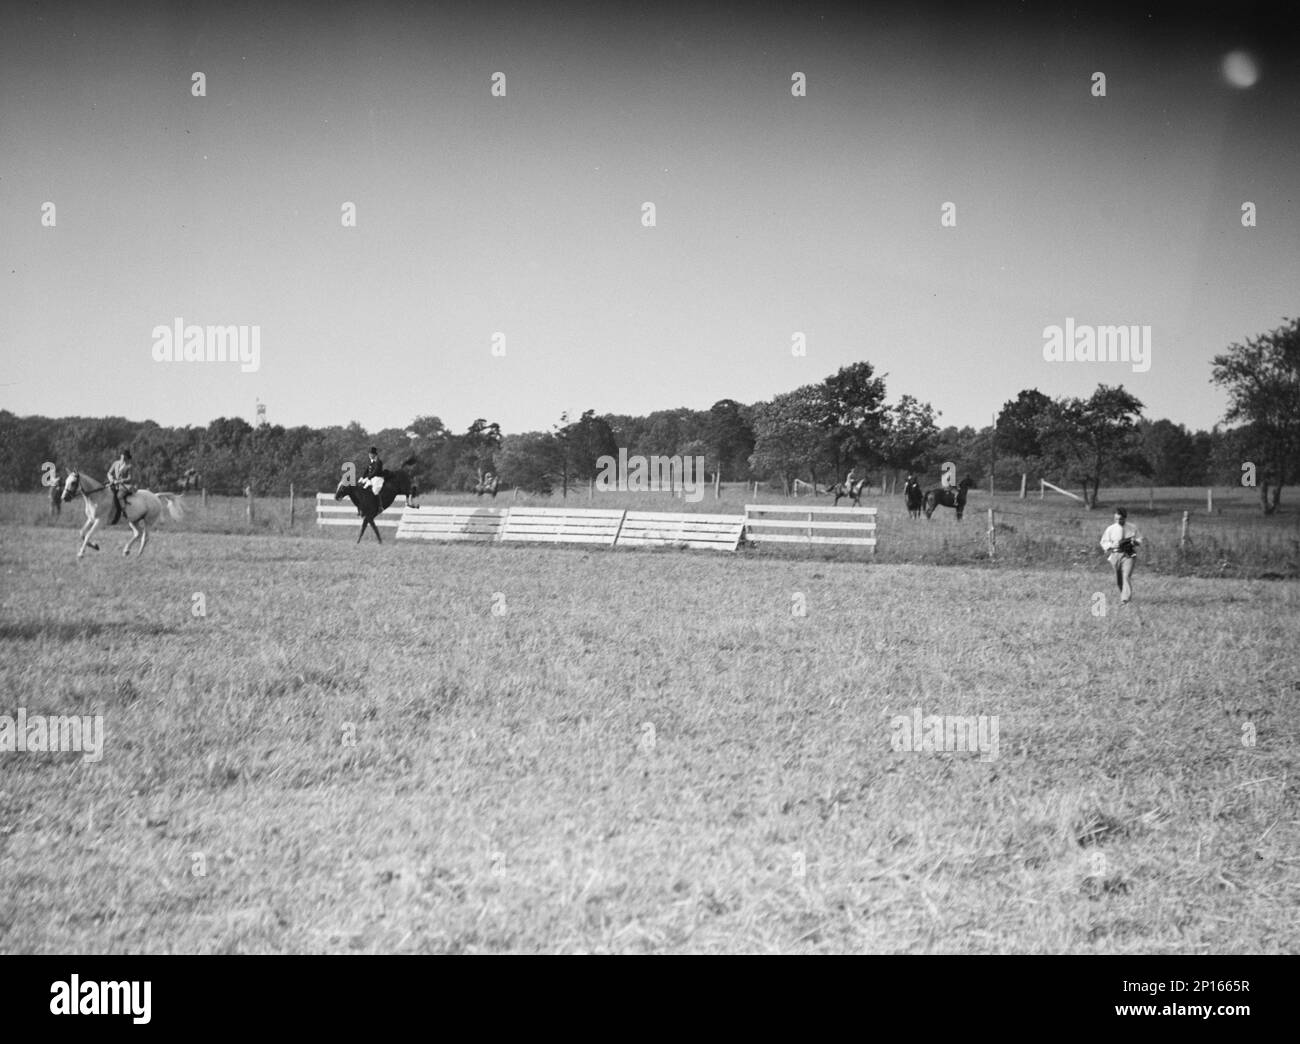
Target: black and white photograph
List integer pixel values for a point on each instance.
(610, 478)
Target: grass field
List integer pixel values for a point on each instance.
(456, 748)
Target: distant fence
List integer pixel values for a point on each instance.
(787, 524)
(610, 528)
(331, 512)
(761, 523)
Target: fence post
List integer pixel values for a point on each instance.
(1182, 540)
(717, 484)
(290, 505)
(1042, 486)
(992, 535)
(203, 497)
(516, 492)
(1209, 501)
(755, 490)
(248, 492)
(1024, 478)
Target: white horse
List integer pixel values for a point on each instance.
(142, 509)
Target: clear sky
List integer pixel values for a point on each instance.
(522, 214)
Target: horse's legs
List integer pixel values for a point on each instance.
(86, 530)
(376, 529)
(134, 534)
(144, 536)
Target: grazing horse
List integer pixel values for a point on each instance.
(370, 504)
(948, 498)
(854, 493)
(142, 509)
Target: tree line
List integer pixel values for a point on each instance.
(817, 433)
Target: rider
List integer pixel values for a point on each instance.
(373, 476)
(849, 480)
(120, 481)
(910, 485)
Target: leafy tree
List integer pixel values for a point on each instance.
(531, 461)
(850, 410)
(1262, 377)
(788, 437)
(909, 435)
(1018, 424)
(1087, 439)
(729, 437)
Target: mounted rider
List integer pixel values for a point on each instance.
(121, 482)
(373, 475)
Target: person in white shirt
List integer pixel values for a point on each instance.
(1121, 541)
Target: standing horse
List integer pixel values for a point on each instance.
(142, 509)
(948, 498)
(370, 504)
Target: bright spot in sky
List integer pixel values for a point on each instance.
(1239, 69)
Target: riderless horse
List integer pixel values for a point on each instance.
(370, 504)
(953, 498)
(141, 509)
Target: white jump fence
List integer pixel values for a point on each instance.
(616, 527)
(784, 524)
(331, 512)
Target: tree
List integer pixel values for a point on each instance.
(730, 438)
(850, 410)
(1173, 455)
(531, 461)
(788, 438)
(909, 435)
(1263, 381)
(1018, 424)
(584, 442)
(1086, 439)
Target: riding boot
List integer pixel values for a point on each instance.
(117, 509)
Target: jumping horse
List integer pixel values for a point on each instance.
(141, 510)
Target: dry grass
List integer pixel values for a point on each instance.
(640, 753)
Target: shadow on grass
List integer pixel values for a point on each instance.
(32, 630)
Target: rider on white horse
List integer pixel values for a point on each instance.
(120, 481)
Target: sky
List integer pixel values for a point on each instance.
(775, 215)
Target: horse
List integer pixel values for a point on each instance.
(946, 497)
(487, 486)
(854, 493)
(914, 497)
(369, 504)
(142, 509)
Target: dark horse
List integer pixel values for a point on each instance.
(946, 497)
(854, 493)
(914, 497)
(370, 505)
